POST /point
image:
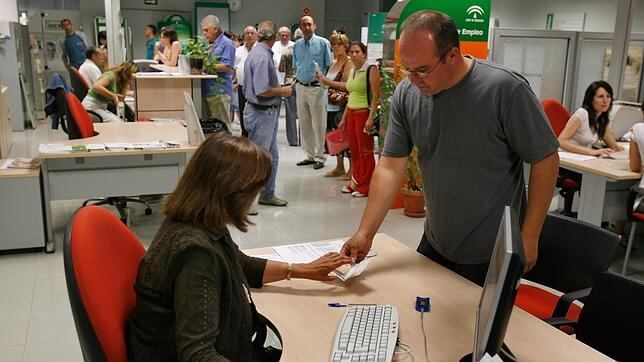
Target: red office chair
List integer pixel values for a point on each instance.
(558, 117)
(634, 201)
(571, 255)
(612, 320)
(81, 126)
(78, 82)
(101, 257)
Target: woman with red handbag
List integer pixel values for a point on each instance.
(358, 118)
(336, 80)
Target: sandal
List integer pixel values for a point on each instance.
(345, 177)
(347, 190)
(334, 173)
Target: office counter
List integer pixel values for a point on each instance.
(396, 276)
(161, 95)
(82, 175)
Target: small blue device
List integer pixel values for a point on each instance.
(422, 304)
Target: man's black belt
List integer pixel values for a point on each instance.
(314, 83)
(261, 106)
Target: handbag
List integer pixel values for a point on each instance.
(338, 97)
(261, 325)
(337, 141)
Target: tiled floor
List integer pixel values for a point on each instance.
(35, 317)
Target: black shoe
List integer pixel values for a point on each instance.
(318, 165)
(305, 162)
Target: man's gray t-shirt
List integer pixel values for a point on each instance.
(472, 141)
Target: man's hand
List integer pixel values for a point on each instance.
(287, 91)
(320, 268)
(531, 250)
(357, 247)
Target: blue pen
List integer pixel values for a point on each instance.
(342, 305)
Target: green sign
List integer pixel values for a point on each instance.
(375, 27)
(549, 18)
(53, 25)
(150, 2)
(472, 17)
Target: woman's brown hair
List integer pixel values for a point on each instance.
(124, 72)
(220, 183)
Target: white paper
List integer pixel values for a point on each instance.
(6, 163)
(54, 148)
(117, 146)
(575, 156)
(95, 147)
(273, 257)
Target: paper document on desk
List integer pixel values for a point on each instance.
(620, 155)
(54, 148)
(575, 156)
(307, 252)
(273, 257)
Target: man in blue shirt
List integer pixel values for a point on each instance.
(150, 33)
(217, 94)
(73, 44)
(312, 53)
(263, 95)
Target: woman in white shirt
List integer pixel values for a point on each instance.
(171, 48)
(587, 129)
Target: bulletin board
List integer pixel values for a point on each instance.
(220, 10)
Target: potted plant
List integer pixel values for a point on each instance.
(413, 197)
(197, 51)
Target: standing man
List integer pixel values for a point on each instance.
(310, 54)
(218, 95)
(284, 48)
(241, 53)
(474, 123)
(150, 33)
(263, 92)
(73, 44)
(90, 68)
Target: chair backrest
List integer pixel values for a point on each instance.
(101, 257)
(78, 120)
(572, 253)
(556, 113)
(612, 320)
(78, 82)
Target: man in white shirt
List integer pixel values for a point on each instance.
(241, 53)
(89, 69)
(279, 48)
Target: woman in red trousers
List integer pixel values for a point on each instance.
(358, 118)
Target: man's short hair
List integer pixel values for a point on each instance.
(210, 22)
(439, 25)
(89, 53)
(284, 28)
(65, 21)
(266, 30)
(152, 28)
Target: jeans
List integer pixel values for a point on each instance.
(261, 125)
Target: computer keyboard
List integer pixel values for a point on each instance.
(366, 333)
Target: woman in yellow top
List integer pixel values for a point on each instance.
(112, 86)
(172, 48)
(358, 118)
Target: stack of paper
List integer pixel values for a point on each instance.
(54, 148)
(575, 156)
(307, 252)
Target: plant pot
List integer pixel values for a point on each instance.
(196, 65)
(414, 202)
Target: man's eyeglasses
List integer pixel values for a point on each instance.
(421, 73)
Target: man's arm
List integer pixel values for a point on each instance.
(384, 186)
(543, 175)
(277, 92)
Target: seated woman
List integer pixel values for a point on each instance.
(171, 48)
(193, 298)
(112, 86)
(587, 129)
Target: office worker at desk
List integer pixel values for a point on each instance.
(588, 127)
(193, 301)
(475, 123)
(112, 86)
(171, 48)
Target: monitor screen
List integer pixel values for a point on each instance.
(195, 133)
(499, 291)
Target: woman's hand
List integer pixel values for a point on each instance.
(320, 268)
(118, 98)
(341, 124)
(368, 125)
(601, 152)
(320, 77)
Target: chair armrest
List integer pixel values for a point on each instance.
(561, 322)
(96, 118)
(564, 302)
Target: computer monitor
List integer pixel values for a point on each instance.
(500, 289)
(195, 133)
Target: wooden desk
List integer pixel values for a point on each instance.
(396, 276)
(21, 218)
(595, 176)
(161, 96)
(82, 175)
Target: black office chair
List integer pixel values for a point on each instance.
(572, 253)
(80, 85)
(612, 320)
